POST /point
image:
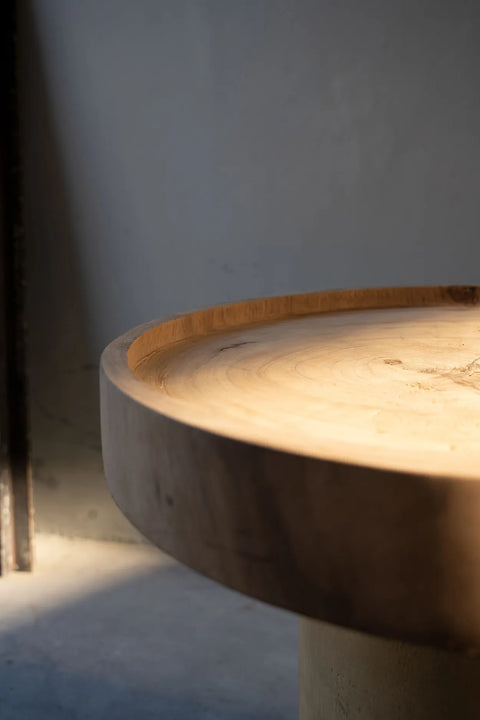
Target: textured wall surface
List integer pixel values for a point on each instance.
(181, 153)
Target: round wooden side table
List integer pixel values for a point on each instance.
(320, 452)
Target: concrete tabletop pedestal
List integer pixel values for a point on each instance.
(320, 452)
(345, 674)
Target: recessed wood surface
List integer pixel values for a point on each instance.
(319, 452)
(397, 388)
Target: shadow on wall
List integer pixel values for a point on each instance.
(162, 644)
(71, 497)
(194, 152)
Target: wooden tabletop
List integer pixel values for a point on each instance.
(320, 452)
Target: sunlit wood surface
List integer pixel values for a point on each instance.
(320, 452)
(397, 388)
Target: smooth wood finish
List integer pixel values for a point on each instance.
(396, 388)
(318, 452)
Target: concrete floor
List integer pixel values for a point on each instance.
(114, 631)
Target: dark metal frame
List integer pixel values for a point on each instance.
(16, 506)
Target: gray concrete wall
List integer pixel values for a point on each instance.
(180, 153)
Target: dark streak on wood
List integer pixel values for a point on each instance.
(235, 345)
(464, 294)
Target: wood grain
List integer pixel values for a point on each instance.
(318, 452)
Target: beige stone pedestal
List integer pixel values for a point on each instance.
(351, 675)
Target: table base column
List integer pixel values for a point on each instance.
(348, 675)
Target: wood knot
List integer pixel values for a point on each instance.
(464, 294)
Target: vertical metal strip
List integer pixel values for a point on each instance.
(19, 501)
(6, 513)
